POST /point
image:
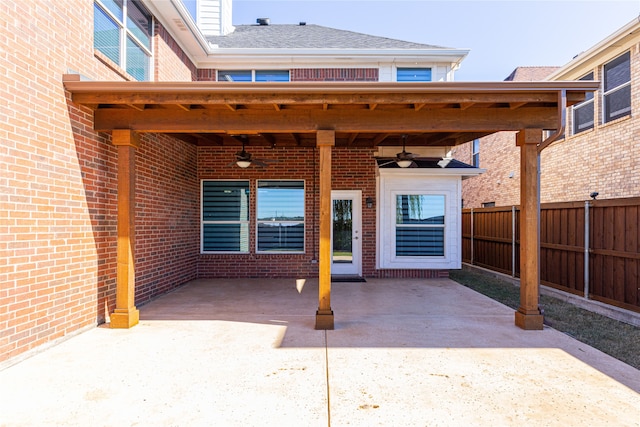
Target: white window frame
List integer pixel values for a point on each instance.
(417, 258)
(394, 181)
(615, 89)
(304, 220)
(253, 73)
(475, 153)
(246, 222)
(125, 33)
(584, 104)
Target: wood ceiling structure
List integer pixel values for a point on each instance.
(289, 114)
(326, 115)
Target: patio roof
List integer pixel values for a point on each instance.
(326, 115)
(361, 114)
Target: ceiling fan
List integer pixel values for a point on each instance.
(403, 159)
(245, 159)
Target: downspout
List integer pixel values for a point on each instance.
(562, 120)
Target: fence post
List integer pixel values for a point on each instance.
(472, 236)
(586, 249)
(513, 241)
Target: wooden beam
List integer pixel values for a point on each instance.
(465, 105)
(326, 139)
(184, 107)
(378, 139)
(277, 107)
(514, 105)
(231, 107)
(126, 314)
(372, 106)
(308, 121)
(137, 107)
(352, 138)
(528, 315)
(419, 106)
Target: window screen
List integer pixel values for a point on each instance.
(617, 88)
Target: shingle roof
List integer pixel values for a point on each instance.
(289, 36)
(530, 74)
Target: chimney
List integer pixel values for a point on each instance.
(214, 17)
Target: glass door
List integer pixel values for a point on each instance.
(346, 244)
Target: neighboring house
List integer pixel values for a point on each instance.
(598, 151)
(126, 172)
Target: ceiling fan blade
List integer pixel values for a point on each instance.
(259, 163)
(387, 163)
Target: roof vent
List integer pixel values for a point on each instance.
(262, 21)
(302, 23)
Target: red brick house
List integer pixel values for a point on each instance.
(139, 154)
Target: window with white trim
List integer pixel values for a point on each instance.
(475, 153)
(616, 98)
(280, 216)
(122, 31)
(583, 113)
(253, 75)
(419, 225)
(413, 74)
(225, 216)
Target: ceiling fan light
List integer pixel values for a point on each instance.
(404, 163)
(243, 163)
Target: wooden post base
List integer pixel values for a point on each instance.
(124, 318)
(529, 322)
(324, 320)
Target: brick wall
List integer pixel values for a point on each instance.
(334, 74)
(170, 62)
(605, 159)
(351, 169)
(58, 185)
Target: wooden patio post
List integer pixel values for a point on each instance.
(528, 316)
(324, 316)
(125, 315)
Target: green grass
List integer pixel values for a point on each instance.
(610, 336)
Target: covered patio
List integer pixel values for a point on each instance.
(323, 116)
(244, 353)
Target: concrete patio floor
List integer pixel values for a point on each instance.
(245, 353)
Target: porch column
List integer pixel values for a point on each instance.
(126, 314)
(528, 316)
(325, 139)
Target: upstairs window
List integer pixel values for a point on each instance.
(122, 31)
(617, 88)
(583, 113)
(280, 218)
(475, 153)
(413, 75)
(253, 75)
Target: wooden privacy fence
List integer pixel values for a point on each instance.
(587, 248)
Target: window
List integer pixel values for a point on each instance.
(583, 112)
(414, 75)
(225, 216)
(253, 75)
(419, 225)
(122, 32)
(280, 216)
(475, 153)
(617, 88)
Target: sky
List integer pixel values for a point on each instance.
(501, 35)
